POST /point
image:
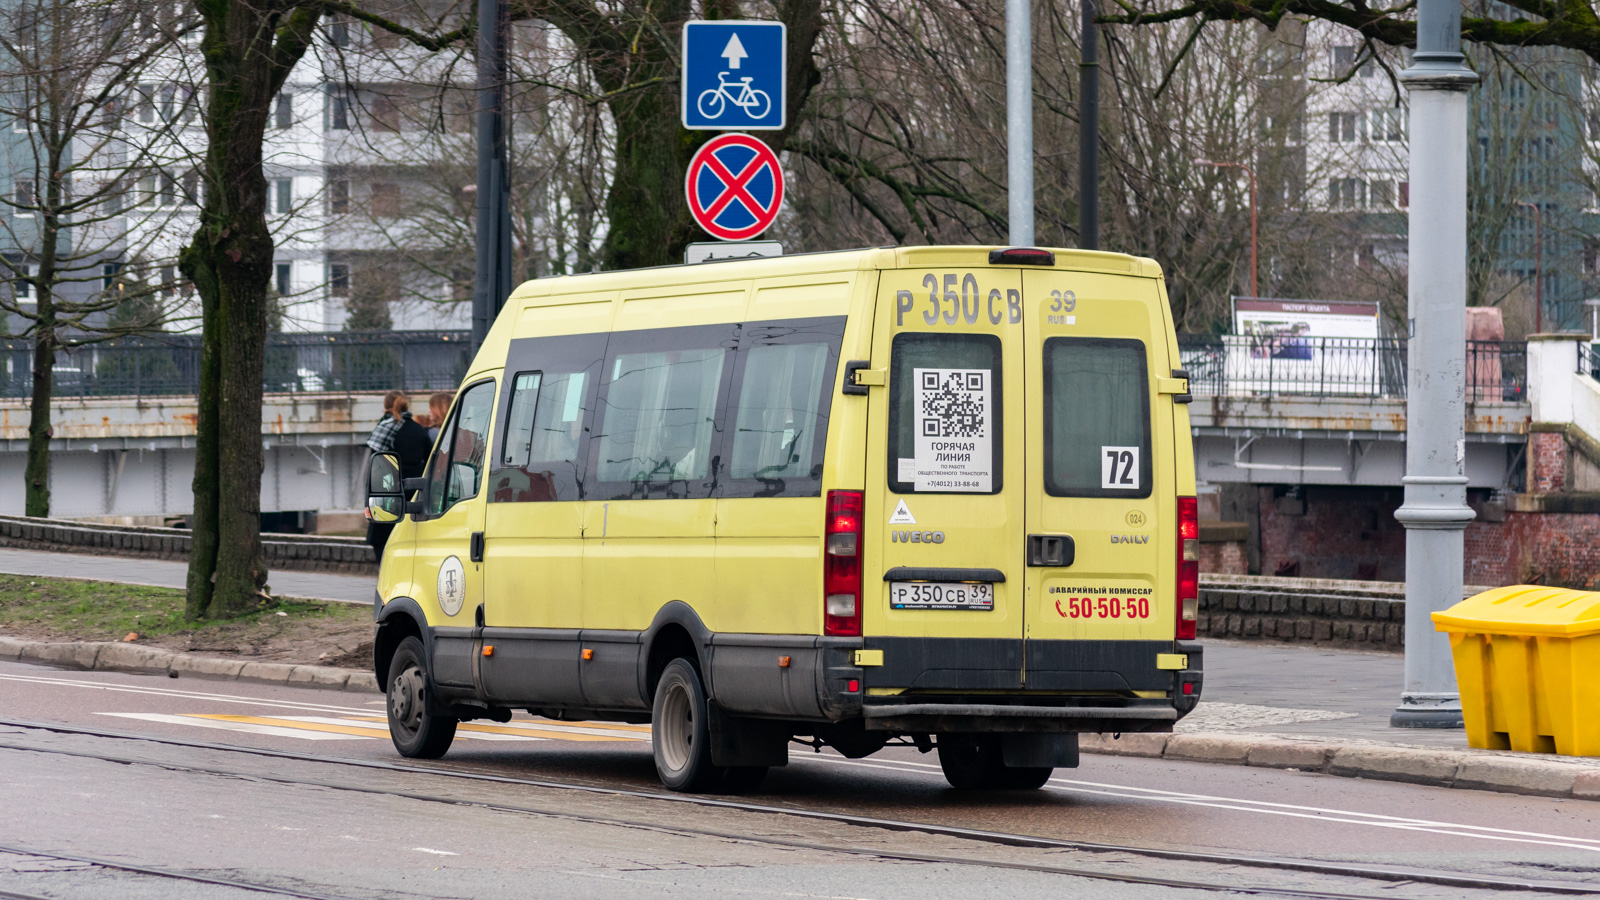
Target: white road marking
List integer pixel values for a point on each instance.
(435, 852)
(190, 695)
(1260, 807)
(246, 727)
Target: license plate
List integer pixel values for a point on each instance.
(921, 595)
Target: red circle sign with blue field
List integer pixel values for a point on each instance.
(735, 187)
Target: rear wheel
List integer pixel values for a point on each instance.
(974, 762)
(417, 732)
(680, 731)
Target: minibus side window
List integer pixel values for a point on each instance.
(782, 391)
(546, 413)
(659, 411)
(945, 398)
(456, 470)
(1096, 418)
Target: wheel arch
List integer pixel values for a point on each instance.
(676, 631)
(399, 619)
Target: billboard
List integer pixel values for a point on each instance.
(1304, 346)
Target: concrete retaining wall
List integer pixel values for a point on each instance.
(284, 552)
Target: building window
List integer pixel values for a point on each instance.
(283, 278)
(1382, 193)
(22, 288)
(339, 32)
(1405, 194)
(1344, 127)
(1344, 56)
(25, 196)
(338, 197)
(110, 276)
(169, 281)
(339, 279)
(385, 200)
(338, 111)
(1387, 124)
(283, 111)
(282, 195)
(385, 113)
(1347, 193)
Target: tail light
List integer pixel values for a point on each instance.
(841, 565)
(1188, 566)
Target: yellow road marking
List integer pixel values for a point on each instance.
(532, 730)
(357, 730)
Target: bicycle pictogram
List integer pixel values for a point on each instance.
(713, 102)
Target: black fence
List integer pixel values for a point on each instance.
(169, 365)
(1226, 365)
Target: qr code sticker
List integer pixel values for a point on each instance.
(953, 404)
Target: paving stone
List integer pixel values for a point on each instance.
(322, 676)
(209, 666)
(1521, 776)
(1395, 764)
(276, 673)
(1127, 745)
(1210, 747)
(132, 658)
(1289, 755)
(77, 655)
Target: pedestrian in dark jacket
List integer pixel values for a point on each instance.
(411, 441)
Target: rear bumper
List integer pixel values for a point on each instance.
(947, 717)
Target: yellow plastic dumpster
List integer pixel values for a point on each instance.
(1528, 664)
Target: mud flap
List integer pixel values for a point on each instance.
(738, 741)
(1058, 751)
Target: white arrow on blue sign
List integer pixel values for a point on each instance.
(734, 75)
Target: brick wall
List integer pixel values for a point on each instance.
(1224, 557)
(1547, 462)
(1332, 532)
(1535, 547)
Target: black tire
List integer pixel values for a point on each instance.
(742, 779)
(680, 731)
(417, 732)
(1024, 778)
(971, 762)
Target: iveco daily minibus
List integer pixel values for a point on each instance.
(941, 496)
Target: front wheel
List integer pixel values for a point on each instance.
(681, 731)
(417, 732)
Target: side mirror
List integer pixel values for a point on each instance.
(385, 499)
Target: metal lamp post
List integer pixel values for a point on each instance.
(1255, 290)
(492, 281)
(1019, 121)
(1435, 513)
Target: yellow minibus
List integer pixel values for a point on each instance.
(937, 495)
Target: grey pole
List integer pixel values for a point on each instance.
(1019, 120)
(1089, 132)
(1435, 512)
(492, 280)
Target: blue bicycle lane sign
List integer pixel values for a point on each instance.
(734, 75)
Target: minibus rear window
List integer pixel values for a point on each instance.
(944, 414)
(1096, 418)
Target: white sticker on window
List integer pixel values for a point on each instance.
(954, 437)
(1119, 468)
(906, 471)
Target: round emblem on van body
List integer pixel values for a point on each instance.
(1136, 519)
(452, 586)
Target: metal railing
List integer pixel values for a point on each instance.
(169, 364)
(1225, 365)
(1589, 359)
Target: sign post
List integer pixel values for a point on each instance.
(735, 76)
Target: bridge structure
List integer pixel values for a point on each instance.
(1328, 412)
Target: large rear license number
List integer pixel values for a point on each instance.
(919, 595)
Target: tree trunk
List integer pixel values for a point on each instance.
(230, 263)
(647, 214)
(37, 476)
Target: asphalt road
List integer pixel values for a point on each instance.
(336, 830)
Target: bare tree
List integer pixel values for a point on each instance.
(98, 167)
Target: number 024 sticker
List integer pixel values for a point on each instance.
(1119, 468)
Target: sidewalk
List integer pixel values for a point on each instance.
(160, 573)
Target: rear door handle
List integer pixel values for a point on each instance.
(1051, 550)
(476, 550)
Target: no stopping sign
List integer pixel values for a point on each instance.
(734, 186)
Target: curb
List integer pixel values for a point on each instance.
(1470, 769)
(119, 657)
(1473, 770)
